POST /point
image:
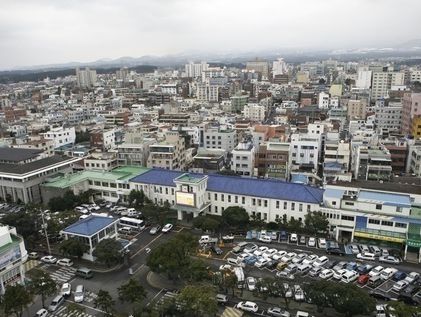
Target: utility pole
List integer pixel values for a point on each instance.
(44, 226)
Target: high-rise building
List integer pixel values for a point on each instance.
(279, 67)
(383, 81)
(411, 108)
(364, 78)
(259, 66)
(86, 78)
(194, 70)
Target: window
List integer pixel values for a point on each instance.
(236, 199)
(400, 225)
(277, 204)
(243, 200)
(334, 203)
(229, 198)
(300, 207)
(253, 201)
(259, 202)
(379, 207)
(216, 197)
(347, 218)
(348, 203)
(308, 208)
(387, 223)
(374, 221)
(216, 209)
(292, 206)
(222, 197)
(265, 203)
(398, 209)
(285, 205)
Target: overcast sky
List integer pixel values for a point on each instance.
(34, 32)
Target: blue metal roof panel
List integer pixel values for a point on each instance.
(90, 225)
(334, 193)
(407, 220)
(266, 188)
(389, 199)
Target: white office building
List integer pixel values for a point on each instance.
(243, 157)
(61, 136)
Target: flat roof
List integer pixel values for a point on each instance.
(389, 199)
(123, 173)
(90, 225)
(17, 154)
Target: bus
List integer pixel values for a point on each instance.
(132, 223)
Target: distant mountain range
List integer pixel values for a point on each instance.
(407, 49)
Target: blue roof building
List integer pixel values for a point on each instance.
(91, 231)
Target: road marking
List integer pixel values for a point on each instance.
(225, 256)
(138, 269)
(86, 306)
(156, 295)
(146, 246)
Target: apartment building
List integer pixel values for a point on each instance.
(134, 150)
(411, 108)
(356, 109)
(254, 112)
(388, 116)
(413, 164)
(272, 160)
(168, 154)
(86, 78)
(221, 137)
(101, 161)
(337, 158)
(382, 81)
(259, 66)
(304, 152)
(372, 163)
(323, 100)
(61, 136)
(415, 76)
(102, 139)
(243, 157)
(207, 92)
(13, 257)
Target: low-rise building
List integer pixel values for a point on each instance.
(372, 163)
(168, 154)
(61, 136)
(243, 156)
(272, 160)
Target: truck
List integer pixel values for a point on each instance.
(207, 239)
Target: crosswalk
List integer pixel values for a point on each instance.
(63, 311)
(63, 274)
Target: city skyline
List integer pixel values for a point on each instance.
(48, 32)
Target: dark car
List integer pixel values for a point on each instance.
(217, 249)
(399, 275)
(335, 251)
(380, 295)
(271, 265)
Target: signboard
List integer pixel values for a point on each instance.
(9, 256)
(377, 237)
(413, 243)
(186, 199)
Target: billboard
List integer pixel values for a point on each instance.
(9, 256)
(186, 199)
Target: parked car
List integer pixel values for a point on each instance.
(278, 312)
(354, 249)
(56, 303)
(335, 251)
(340, 265)
(79, 294)
(278, 255)
(349, 276)
(298, 293)
(66, 289)
(376, 271)
(155, 229)
(261, 262)
(248, 306)
(65, 262)
(33, 255)
(387, 273)
(412, 277)
(49, 259)
(326, 274)
(217, 249)
(389, 259)
(321, 261)
(167, 228)
(363, 279)
(265, 239)
(251, 283)
(315, 271)
(221, 299)
(366, 256)
(399, 275)
(311, 242)
(337, 274)
(41, 313)
(302, 240)
(322, 243)
(399, 286)
(364, 269)
(250, 248)
(293, 238)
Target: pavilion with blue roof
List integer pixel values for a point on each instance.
(91, 231)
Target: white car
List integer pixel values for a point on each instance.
(322, 243)
(278, 312)
(66, 289)
(248, 306)
(288, 257)
(261, 263)
(49, 259)
(278, 255)
(225, 267)
(265, 239)
(412, 277)
(354, 249)
(399, 286)
(311, 242)
(376, 271)
(388, 273)
(309, 259)
(389, 259)
(41, 313)
(326, 273)
(293, 237)
(337, 275)
(298, 293)
(167, 228)
(321, 261)
(269, 253)
(65, 262)
(251, 283)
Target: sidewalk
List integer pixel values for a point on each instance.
(159, 282)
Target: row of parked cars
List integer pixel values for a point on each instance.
(250, 306)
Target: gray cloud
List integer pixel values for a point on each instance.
(48, 31)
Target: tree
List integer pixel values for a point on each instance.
(257, 222)
(26, 224)
(66, 202)
(283, 290)
(104, 302)
(173, 256)
(136, 198)
(295, 225)
(400, 309)
(235, 216)
(351, 300)
(132, 292)
(319, 294)
(197, 300)
(42, 284)
(73, 247)
(316, 222)
(109, 252)
(207, 223)
(16, 299)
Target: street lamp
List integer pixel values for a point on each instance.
(44, 226)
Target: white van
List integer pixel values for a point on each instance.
(303, 268)
(125, 230)
(366, 256)
(56, 303)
